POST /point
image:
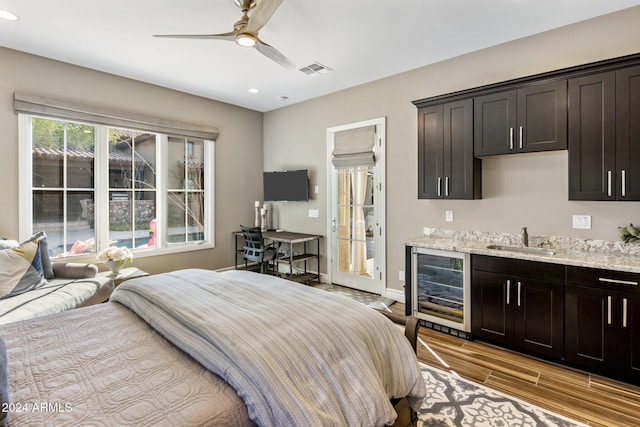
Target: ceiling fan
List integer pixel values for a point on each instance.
(245, 31)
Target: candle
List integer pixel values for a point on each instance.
(257, 203)
(264, 206)
(263, 211)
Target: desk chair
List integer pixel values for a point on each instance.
(255, 250)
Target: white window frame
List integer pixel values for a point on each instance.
(101, 187)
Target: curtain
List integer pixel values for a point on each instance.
(60, 109)
(354, 147)
(359, 179)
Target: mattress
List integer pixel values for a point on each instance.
(114, 370)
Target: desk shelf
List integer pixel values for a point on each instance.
(289, 240)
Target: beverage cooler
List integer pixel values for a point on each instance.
(440, 287)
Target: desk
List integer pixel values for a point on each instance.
(291, 257)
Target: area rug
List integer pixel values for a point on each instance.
(371, 300)
(454, 401)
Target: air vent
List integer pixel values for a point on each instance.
(315, 69)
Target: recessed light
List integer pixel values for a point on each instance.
(5, 14)
(254, 90)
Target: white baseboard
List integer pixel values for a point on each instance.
(395, 294)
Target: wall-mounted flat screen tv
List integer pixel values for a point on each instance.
(286, 186)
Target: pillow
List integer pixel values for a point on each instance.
(21, 269)
(41, 237)
(8, 244)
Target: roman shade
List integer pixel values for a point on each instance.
(354, 147)
(60, 109)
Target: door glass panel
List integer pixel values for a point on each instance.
(355, 225)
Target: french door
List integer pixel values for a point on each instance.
(356, 220)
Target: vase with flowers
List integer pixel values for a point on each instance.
(114, 257)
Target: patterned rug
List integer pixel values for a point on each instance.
(374, 301)
(453, 401)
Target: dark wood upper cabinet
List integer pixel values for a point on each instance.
(532, 118)
(446, 166)
(592, 133)
(592, 109)
(628, 133)
(604, 124)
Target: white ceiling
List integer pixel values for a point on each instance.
(362, 40)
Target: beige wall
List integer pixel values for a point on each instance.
(238, 150)
(518, 190)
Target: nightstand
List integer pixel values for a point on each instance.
(126, 274)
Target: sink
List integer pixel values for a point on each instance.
(523, 249)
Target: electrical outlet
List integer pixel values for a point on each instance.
(448, 216)
(314, 213)
(401, 275)
(582, 222)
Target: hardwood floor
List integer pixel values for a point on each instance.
(590, 399)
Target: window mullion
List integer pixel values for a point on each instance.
(101, 166)
(162, 148)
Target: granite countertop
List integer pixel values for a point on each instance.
(568, 251)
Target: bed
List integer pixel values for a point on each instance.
(196, 348)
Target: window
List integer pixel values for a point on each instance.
(93, 185)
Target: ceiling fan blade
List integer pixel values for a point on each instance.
(261, 14)
(274, 54)
(224, 36)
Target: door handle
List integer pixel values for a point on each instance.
(624, 184)
(519, 286)
(508, 291)
(511, 138)
(609, 309)
(446, 186)
(609, 183)
(624, 312)
(439, 184)
(521, 132)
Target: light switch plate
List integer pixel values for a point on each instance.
(401, 275)
(582, 222)
(314, 213)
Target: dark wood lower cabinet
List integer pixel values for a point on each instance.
(583, 317)
(602, 322)
(520, 312)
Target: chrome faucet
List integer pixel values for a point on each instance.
(525, 237)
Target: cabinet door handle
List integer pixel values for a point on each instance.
(508, 291)
(609, 310)
(624, 312)
(446, 186)
(609, 183)
(624, 184)
(620, 282)
(519, 286)
(510, 138)
(439, 184)
(521, 132)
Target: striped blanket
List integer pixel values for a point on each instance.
(297, 356)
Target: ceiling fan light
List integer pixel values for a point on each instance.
(246, 40)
